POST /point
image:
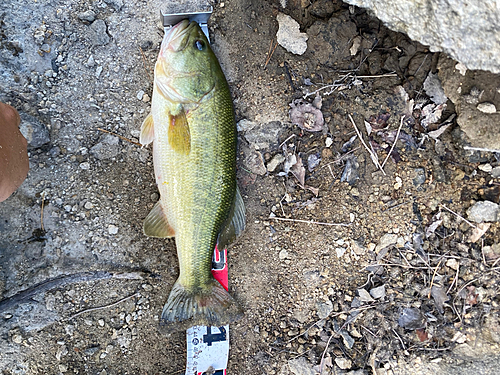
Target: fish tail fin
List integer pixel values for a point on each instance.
(210, 305)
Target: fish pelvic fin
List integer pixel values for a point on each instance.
(179, 136)
(235, 223)
(210, 305)
(156, 223)
(147, 131)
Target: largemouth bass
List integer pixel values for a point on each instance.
(193, 131)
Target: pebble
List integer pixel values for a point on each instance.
(452, 263)
(112, 229)
(35, 132)
(145, 98)
(343, 363)
(88, 205)
(487, 107)
(386, 240)
(107, 148)
(378, 292)
(140, 94)
(495, 172)
(324, 309)
(340, 251)
(398, 183)
(98, 71)
(328, 142)
(85, 165)
(88, 16)
(98, 35)
(298, 366)
(45, 48)
(274, 162)
(485, 167)
(484, 211)
(17, 339)
(289, 35)
(283, 254)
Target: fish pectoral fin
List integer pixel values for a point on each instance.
(235, 224)
(156, 223)
(179, 136)
(147, 130)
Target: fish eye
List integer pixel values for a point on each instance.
(199, 44)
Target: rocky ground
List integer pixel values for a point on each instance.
(373, 257)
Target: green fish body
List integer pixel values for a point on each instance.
(193, 131)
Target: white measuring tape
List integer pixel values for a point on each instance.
(208, 347)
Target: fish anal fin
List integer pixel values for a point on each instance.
(235, 223)
(179, 136)
(147, 131)
(156, 223)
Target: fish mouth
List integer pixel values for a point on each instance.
(176, 38)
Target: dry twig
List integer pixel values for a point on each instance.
(372, 155)
(394, 144)
(309, 221)
(103, 307)
(457, 215)
(119, 136)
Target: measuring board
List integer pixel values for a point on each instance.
(208, 347)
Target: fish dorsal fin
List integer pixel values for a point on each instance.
(147, 131)
(156, 223)
(235, 224)
(179, 136)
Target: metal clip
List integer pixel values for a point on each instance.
(172, 19)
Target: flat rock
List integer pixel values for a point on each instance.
(289, 35)
(299, 366)
(468, 31)
(484, 211)
(107, 148)
(34, 131)
(97, 33)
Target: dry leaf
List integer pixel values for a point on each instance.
(478, 231)
(307, 116)
(422, 334)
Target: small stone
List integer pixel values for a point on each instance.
(112, 229)
(452, 263)
(88, 16)
(283, 254)
(484, 211)
(35, 132)
(398, 183)
(275, 161)
(98, 34)
(91, 62)
(63, 368)
(147, 287)
(85, 165)
(107, 148)
(298, 366)
(324, 309)
(145, 98)
(101, 322)
(364, 296)
(116, 4)
(386, 240)
(487, 107)
(140, 94)
(98, 71)
(495, 172)
(88, 205)
(485, 167)
(45, 48)
(378, 292)
(17, 339)
(289, 35)
(328, 142)
(340, 251)
(39, 37)
(343, 363)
